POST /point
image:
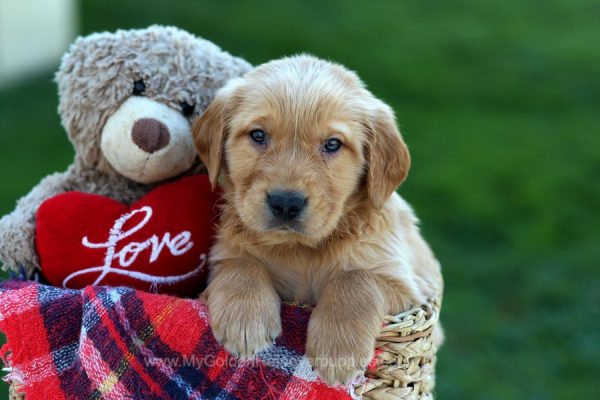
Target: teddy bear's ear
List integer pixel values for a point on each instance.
(210, 130)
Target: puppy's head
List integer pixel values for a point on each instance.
(299, 141)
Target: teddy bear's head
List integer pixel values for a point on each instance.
(127, 99)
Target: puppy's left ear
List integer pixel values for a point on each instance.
(209, 132)
(388, 159)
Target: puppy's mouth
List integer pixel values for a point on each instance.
(286, 226)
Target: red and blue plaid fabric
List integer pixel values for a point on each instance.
(119, 343)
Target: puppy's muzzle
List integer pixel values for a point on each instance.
(286, 206)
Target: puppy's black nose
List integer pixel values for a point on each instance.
(150, 134)
(286, 205)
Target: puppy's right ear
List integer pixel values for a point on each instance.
(387, 156)
(210, 130)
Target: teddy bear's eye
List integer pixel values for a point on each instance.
(139, 87)
(187, 109)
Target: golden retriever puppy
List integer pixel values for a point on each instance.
(309, 161)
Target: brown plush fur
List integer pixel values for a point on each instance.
(95, 79)
(356, 252)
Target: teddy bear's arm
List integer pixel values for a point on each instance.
(17, 229)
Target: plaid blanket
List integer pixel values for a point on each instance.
(119, 343)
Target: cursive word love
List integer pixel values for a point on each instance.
(118, 262)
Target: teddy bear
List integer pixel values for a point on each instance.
(126, 101)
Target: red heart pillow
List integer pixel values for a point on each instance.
(160, 243)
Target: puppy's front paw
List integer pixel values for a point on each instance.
(339, 350)
(245, 324)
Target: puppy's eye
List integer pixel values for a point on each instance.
(139, 87)
(332, 145)
(187, 109)
(259, 136)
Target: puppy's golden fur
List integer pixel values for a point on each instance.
(355, 251)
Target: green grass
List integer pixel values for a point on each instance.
(499, 102)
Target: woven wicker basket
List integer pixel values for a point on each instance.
(406, 358)
(405, 368)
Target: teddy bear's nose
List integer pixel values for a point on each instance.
(150, 134)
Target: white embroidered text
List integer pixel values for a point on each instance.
(124, 258)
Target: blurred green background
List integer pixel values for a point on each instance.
(499, 102)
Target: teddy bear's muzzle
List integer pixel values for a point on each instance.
(150, 135)
(147, 141)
